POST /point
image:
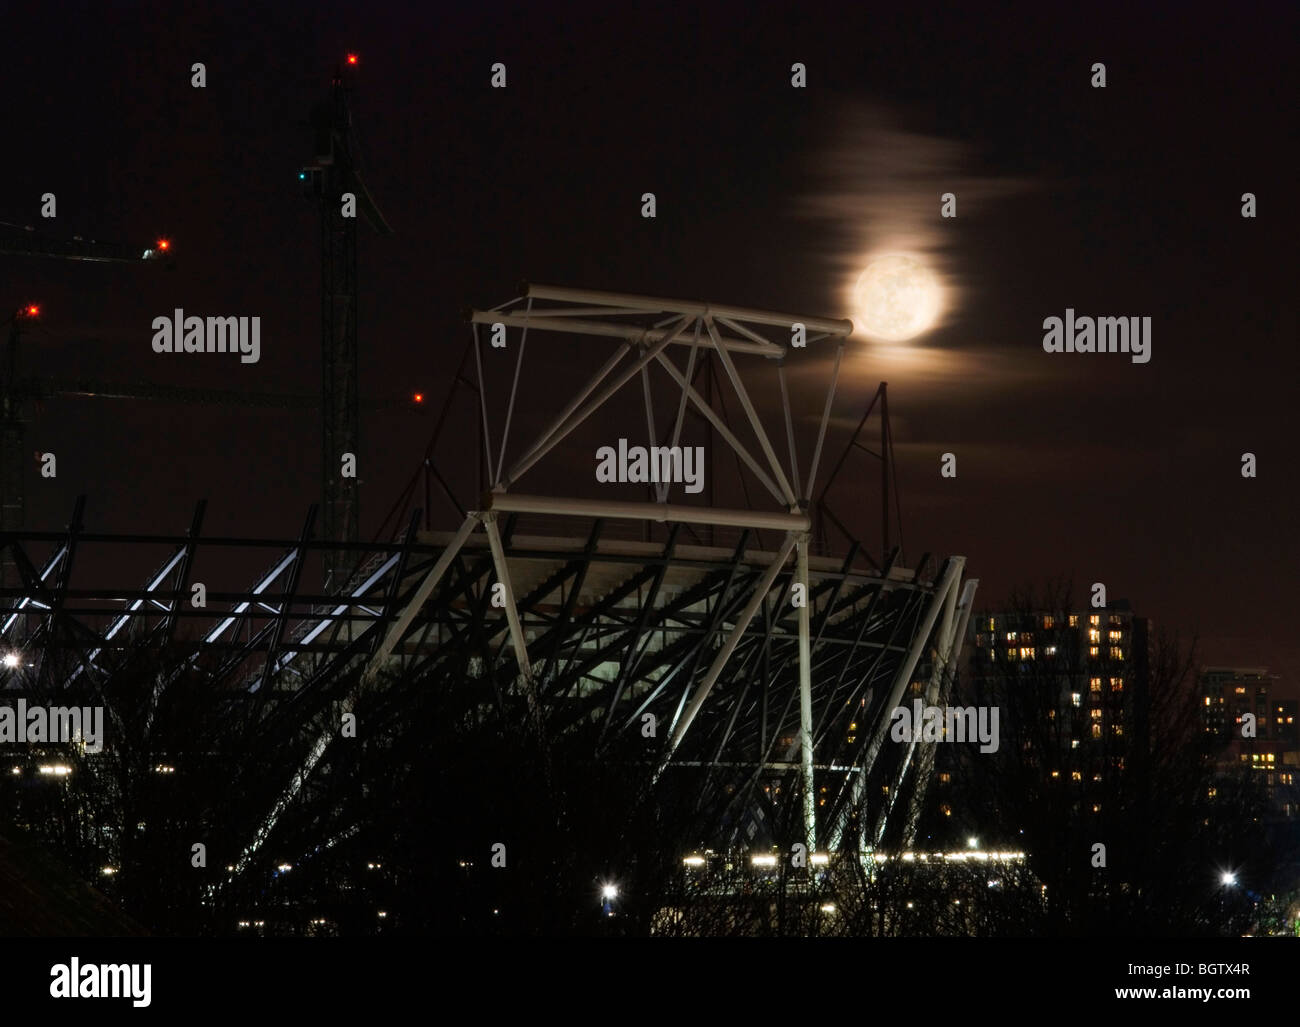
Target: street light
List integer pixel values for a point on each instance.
(1228, 879)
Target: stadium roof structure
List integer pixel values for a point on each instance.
(759, 673)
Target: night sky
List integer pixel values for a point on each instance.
(1117, 201)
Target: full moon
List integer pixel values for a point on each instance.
(895, 298)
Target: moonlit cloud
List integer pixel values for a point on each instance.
(877, 188)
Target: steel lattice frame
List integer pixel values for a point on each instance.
(754, 696)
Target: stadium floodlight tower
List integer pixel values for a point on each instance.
(711, 725)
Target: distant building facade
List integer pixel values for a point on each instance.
(1095, 664)
(1272, 749)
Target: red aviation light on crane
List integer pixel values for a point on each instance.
(31, 310)
(164, 245)
(352, 58)
(418, 397)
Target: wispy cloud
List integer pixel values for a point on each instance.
(877, 186)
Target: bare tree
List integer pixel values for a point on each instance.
(1106, 778)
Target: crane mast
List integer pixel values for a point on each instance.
(334, 182)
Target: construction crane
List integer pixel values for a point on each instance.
(42, 388)
(333, 180)
(23, 241)
(19, 394)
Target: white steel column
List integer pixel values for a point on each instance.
(512, 616)
(937, 694)
(805, 700)
(938, 602)
(724, 654)
(421, 595)
(951, 576)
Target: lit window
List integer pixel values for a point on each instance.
(1011, 636)
(1074, 743)
(1094, 685)
(1049, 650)
(1011, 654)
(1117, 684)
(1075, 776)
(1027, 652)
(992, 625)
(1116, 729)
(1048, 621)
(1096, 730)
(945, 778)
(1092, 651)
(1094, 620)
(1096, 807)
(1094, 635)
(1075, 698)
(1116, 652)
(1095, 714)
(1240, 691)
(1207, 700)
(1074, 620)
(1056, 773)
(1115, 636)
(1096, 777)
